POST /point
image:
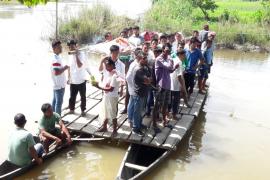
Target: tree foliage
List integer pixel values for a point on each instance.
(30, 3)
(205, 6)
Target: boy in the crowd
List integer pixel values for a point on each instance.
(109, 104)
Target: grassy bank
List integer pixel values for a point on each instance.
(91, 23)
(235, 21)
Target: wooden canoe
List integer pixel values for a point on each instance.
(139, 160)
(9, 171)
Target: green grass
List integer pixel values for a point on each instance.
(92, 22)
(235, 21)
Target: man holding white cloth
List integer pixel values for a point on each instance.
(77, 76)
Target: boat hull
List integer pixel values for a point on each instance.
(140, 160)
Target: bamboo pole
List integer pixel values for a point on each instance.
(56, 19)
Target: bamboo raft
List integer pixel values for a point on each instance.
(145, 152)
(167, 139)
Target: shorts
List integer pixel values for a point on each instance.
(189, 81)
(203, 72)
(163, 97)
(56, 132)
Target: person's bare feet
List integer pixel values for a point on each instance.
(102, 129)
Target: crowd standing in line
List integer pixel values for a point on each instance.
(157, 73)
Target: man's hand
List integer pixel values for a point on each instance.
(176, 66)
(58, 141)
(69, 141)
(66, 67)
(104, 59)
(147, 81)
(121, 93)
(39, 161)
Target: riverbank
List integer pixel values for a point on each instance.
(235, 30)
(244, 47)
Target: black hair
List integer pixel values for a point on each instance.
(138, 52)
(195, 31)
(114, 48)
(182, 43)
(110, 62)
(45, 107)
(55, 43)
(181, 52)
(136, 27)
(19, 120)
(71, 42)
(168, 45)
(125, 30)
(154, 40)
(146, 43)
(107, 34)
(157, 51)
(193, 40)
(163, 36)
(171, 35)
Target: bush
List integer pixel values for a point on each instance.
(92, 22)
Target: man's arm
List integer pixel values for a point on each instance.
(168, 66)
(49, 136)
(65, 130)
(122, 74)
(78, 60)
(101, 65)
(109, 89)
(34, 155)
(58, 72)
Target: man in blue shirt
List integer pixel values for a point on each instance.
(195, 58)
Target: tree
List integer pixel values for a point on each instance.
(154, 1)
(31, 3)
(205, 6)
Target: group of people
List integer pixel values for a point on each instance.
(22, 146)
(162, 70)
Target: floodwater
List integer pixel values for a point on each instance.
(230, 140)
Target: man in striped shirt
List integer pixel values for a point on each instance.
(58, 77)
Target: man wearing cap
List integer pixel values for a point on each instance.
(77, 76)
(58, 76)
(48, 131)
(22, 147)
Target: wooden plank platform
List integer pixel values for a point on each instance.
(167, 139)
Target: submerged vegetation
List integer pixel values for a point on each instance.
(235, 21)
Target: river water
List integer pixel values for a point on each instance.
(230, 140)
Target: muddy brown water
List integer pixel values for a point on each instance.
(230, 139)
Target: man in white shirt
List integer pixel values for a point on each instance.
(130, 80)
(136, 39)
(58, 77)
(77, 76)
